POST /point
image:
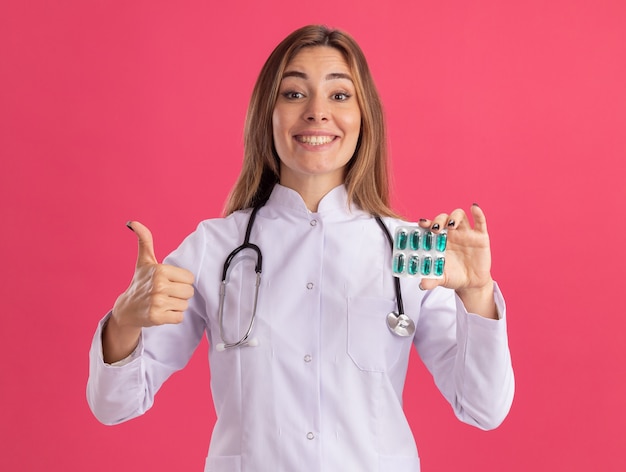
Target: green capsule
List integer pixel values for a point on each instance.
(414, 265)
(439, 263)
(398, 263)
(442, 240)
(414, 240)
(427, 241)
(401, 237)
(427, 265)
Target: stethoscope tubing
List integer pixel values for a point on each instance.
(258, 268)
(396, 280)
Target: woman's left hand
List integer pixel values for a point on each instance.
(468, 259)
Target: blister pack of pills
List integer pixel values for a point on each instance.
(418, 252)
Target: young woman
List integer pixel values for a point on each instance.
(294, 290)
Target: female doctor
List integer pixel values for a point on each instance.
(306, 370)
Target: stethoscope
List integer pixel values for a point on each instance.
(397, 322)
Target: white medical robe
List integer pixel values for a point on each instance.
(322, 390)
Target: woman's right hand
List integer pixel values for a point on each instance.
(158, 294)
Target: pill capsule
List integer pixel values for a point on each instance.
(414, 265)
(439, 264)
(442, 240)
(414, 240)
(427, 241)
(427, 265)
(398, 263)
(401, 237)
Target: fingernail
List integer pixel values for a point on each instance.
(451, 223)
(421, 288)
(476, 204)
(129, 226)
(435, 226)
(422, 220)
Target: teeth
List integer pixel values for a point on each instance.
(315, 140)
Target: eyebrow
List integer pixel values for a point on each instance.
(332, 76)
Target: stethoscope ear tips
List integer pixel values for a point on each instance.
(253, 342)
(220, 347)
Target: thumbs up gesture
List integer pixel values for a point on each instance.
(158, 294)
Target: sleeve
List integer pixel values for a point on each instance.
(117, 393)
(468, 356)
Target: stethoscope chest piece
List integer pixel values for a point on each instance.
(400, 325)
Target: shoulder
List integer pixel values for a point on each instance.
(231, 222)
(215, 232)
(393, 223)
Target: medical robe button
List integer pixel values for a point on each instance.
(308, 358)
(310, 435)
(313, 222)
(309, 285)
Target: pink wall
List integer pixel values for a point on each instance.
(119, 110)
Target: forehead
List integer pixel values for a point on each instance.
(319, 57)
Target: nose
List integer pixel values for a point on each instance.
(316, 110)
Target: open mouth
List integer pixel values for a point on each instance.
(315, 140)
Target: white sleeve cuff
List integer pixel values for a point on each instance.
(128, 359)
(498, 299)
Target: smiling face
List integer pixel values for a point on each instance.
(316, 120)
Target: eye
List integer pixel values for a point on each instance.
(292, 95)
(341, 96)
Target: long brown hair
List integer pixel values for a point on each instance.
(367, 180)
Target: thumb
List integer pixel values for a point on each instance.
(429, 284)
(145, 253)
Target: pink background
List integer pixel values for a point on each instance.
(113, 110)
